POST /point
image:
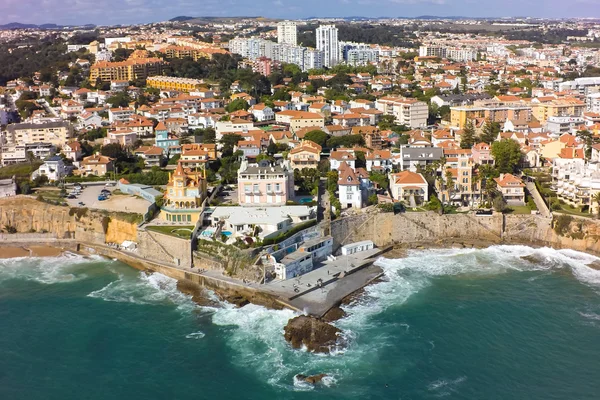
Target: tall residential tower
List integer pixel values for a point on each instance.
(327, 41)
(287, 33)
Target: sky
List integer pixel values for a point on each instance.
(102, 12)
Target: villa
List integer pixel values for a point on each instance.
(265, 184)
(263, 222)
(184, 196)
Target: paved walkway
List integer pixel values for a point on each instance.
(539, 201)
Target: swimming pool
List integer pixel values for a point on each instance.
(207, 233)
(227, 233)
(305, 200)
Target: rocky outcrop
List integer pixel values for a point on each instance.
(313, 379)
(199, 294)
(333, 314)
(317, 336)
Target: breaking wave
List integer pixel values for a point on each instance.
(66, 268)
(256, 333)
(145, 288)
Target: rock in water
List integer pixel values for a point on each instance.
(313, 379)
(317, 336)
(334, 314)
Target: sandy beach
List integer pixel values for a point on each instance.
(27, 251)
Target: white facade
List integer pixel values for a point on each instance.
(327, 41)
(53, 168)
(287, 33)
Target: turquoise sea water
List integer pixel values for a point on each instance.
(452, 324)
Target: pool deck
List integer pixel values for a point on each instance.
(340, 278)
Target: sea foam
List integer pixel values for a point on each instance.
(66, 268)
(145, 288)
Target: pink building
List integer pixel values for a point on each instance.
(265, 184)
(482, 154)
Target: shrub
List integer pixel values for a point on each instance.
(562, 223)
(10, 229)
(386, 207)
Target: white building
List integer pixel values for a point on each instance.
(327, 41)
(53, 168)
(350, 193)
(287, 32)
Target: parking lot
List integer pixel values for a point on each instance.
(118, 202)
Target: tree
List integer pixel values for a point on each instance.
(468, 139)
(120, 99)
(317, 136)
(507, 155)
(237, 104)
(490, 131)
(229, 141)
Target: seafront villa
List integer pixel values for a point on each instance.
(184, 196)
(263, 222)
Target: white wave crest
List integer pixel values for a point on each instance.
(145, 288)
(195, 335)
(66, 268)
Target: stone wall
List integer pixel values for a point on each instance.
(164, 248)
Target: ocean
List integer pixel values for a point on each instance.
(451, 324)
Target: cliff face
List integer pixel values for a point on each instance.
(563, 231)
(28, 215)
(384, 229)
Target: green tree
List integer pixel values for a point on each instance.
(507, 155)
(317, 136)
(237, 104)
(490, 131)
(468, 139)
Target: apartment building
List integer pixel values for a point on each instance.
(495, 112)
(327, 42)
(55, 133)
(287, 33)
(173, 83)
(265, 184)
(409, 112)
(129, 70)
(570, 107)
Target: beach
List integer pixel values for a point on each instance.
(29, 251)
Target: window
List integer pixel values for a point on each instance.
(269, 187)
(255, 187)
(349, 196)
(278, 187)
(247, 188)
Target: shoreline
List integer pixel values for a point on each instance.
(238, 293)
(33, 251)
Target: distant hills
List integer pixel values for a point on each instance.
(18, 25)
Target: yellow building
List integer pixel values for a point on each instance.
(495, 112)
(305, 155)
(174, 83)
(557, 108)
(185, 195)
(129, 70)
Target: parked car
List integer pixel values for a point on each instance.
(101, 198)
(81, 204)
(71, 196)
